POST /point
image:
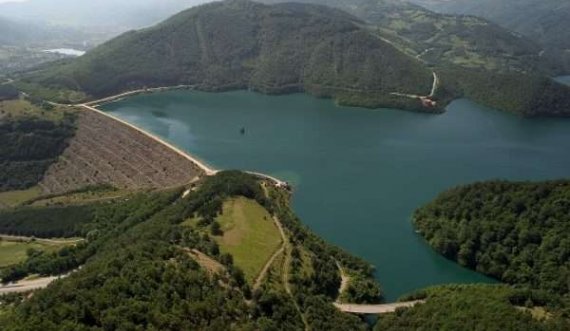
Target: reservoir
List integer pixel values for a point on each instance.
(65, 51)
(359, 174)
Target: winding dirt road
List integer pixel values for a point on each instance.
(267, 266)
(28, 285)
(41, 240)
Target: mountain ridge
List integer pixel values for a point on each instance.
(286, 48)
(242, 44)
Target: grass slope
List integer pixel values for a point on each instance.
(13, 252)
(249, 235)
(14, 198)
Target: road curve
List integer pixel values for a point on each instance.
(375, 309)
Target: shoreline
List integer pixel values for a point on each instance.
(117, 97)
(208, 170)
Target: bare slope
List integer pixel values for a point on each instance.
(105, 151)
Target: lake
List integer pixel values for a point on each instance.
(359, 174)
(65, 51)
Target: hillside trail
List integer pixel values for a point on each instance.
(41, 240)
(345, 281)
(263, 274)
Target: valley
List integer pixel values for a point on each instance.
(369, 165)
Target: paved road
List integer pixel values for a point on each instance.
(435, 85)
(27, 285)
(375, 309)
(41, 240)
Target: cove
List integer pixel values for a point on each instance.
(359, 174)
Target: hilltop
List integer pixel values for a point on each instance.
(443, 39)
(246, 45)
(545, 21)
(172, 261)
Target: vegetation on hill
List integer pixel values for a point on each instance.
(515, 232)
(527, 95)
(473, 57)
(241, 44)
(438, 39)
(545, 21)
(32, 139)
(237, 44)
(244, 227)
(15, 250)
(45, 222)
(137, 271)
(479, 307)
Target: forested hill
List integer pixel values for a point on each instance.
(240, 44)
(546, 21)
(479, 308)
(32, 138)
(515, 232)
(156, 261)
(292, 47)
(438, 38)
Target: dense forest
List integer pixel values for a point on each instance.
(545, 21)
(284, 48)
(30, 144)
(240, 44)
(136, 272)
(515, 232)
(441, 39)
(479, 307)
(57, 221)
(268, 58)
(527, 95)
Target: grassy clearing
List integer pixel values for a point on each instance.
(250, 235)
(12, 252)
(14, 198)
(539, 313)
(18, 109)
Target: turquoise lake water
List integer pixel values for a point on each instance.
(359, 174)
